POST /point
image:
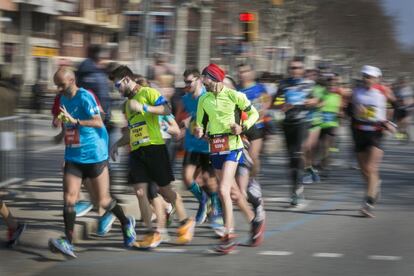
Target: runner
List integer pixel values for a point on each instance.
(369, 108)
(149, 162)
(196, 162)
(249, 186)
(294, 97)
(402, 115)
(218, 115)
(86, 156)
(332, 110)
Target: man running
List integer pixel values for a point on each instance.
(149, 161)
(369, 121)
(197, 159)
(218, 115)
(295, 99)
(86, 156)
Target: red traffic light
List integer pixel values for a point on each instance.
(246, 17)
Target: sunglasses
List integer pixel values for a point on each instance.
(118, 83)
(295, 67)
(189, 82)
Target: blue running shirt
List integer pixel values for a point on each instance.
(84, 145)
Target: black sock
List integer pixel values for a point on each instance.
(370, 200)
(69, 217)
(119, 213)
(184, 221)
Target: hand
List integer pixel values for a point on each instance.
(186, 122)
(311, 102)
(66, 117)
(286, 107)
(135, 106)
(236, 129)
(114, 151)
(198, 132)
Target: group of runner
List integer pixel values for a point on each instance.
(224, 128)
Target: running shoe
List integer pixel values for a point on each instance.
(307, 178)
(227, 245)
(14, 235)
(105, 224)
(202, 210)
(367, 210)
(186, 231)
(63, 246)
(315, 175)
(129, 232)
(82, 208)
(257, 232)
(151, 240)
(297, 200)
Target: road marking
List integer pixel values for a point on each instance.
(170, 250)
(276, 199)
(327, 255)
(275, 253)
(384, 258)
(108, 248)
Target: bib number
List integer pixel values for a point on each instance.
(219, 143)
(139, 134)
(369, 113)
(72, 137)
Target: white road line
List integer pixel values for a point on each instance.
(170, 250)
(275, 253)
(108, 248)
(276, 199)
(384, 258)
(327, 255)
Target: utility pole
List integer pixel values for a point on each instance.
(146, 37)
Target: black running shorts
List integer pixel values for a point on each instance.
(150, 164)
(200, 160)
(363, 140)
(92, 170)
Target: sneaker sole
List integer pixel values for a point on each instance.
(260, 237)
(366, 214)
(54, 249)
(225, 251)
(84, 212)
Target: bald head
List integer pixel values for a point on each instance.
(64, 79)
(64, 73)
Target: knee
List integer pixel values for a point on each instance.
(169, 195)
(141, 192)
(71, 198)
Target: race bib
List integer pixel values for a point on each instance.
(219, 143)
(72, 137)
(369, 113)
(295, 97)
(139, 133)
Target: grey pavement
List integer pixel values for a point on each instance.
(325, 237)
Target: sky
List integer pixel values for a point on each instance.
(403, 13)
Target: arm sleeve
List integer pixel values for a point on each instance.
(200, 113)
(155, 98)
(244, 104)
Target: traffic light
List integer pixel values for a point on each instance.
(248, 25)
